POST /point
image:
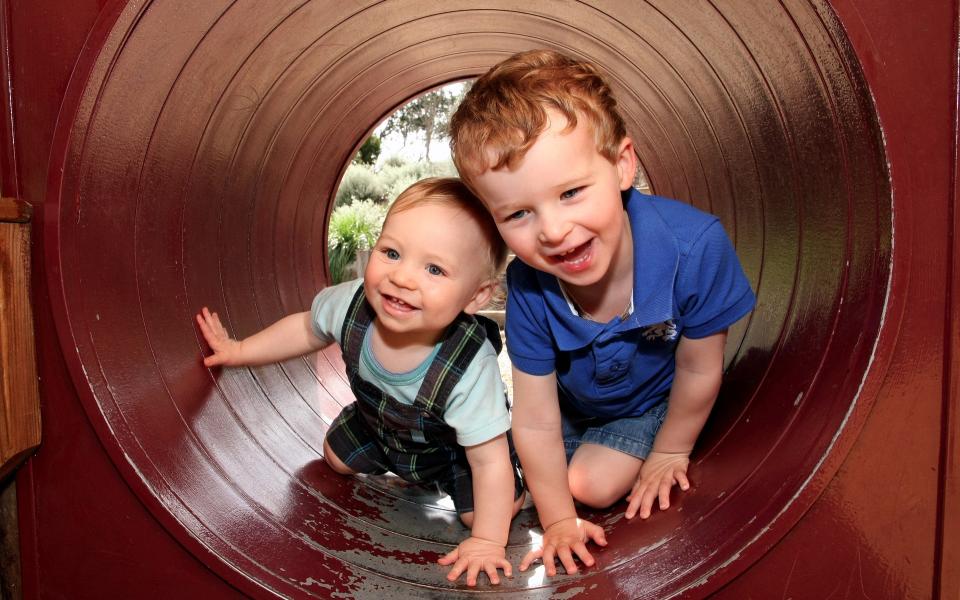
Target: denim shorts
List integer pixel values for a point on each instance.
(630, 435)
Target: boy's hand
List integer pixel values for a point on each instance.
(657, 476)
(474, 554)
(225, 349)
(564, 539)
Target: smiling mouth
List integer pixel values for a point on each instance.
(396, 305)
(574, 258)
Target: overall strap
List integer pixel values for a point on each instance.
(463, 340)
(359, 316)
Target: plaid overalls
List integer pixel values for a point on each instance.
(378, 433)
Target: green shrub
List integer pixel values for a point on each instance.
(394, 161)
(360, 183)
(352, 228)
(397, 177)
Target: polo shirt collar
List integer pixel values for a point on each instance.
(655, 260)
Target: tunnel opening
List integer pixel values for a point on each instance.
(206, 178)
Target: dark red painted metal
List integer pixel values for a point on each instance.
(193, 161)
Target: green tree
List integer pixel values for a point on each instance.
(368, 152)
(429, 113)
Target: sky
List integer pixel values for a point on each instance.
(392, 145)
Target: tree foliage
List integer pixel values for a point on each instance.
(369, 152)
(429, 113)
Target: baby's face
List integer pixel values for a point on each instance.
(560, 209)
(428, 265)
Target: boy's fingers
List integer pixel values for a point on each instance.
(646, 503)
(633, 506)
(665, 494)
(636, 502)
(683, 481)
(507, 567)
(491, 571)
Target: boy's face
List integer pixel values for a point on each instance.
(425, 269)
(560, 210)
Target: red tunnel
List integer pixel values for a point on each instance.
(183, 154)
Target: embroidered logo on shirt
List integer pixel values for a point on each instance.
(666, 331)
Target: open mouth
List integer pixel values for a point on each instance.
(396, 305)
(575, 259)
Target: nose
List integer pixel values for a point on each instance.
(553, 228)
(401, 276)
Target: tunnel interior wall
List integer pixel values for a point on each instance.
(216, 190)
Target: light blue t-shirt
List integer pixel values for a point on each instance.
(476, 408)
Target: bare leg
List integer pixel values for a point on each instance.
(599, 476)
(334, 461)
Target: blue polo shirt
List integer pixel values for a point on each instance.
(687, 281)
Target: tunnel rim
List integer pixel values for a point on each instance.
(91, 64)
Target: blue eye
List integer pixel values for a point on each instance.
(517, 215)
(435, 270)
(391, 253)
(570, 193)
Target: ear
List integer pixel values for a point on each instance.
(482, 296)
(626, 164)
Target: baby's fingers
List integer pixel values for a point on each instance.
(580, 549)
(472, 571)
(529, 557)
(506, 566)
(214, 360)
(597, 534)
(450, 557)
(457, 570)
(490, 567)
(683, 481)
(566, 559)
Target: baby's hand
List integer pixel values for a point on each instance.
(564, 539)
(225, 350)
(474, 554)
(657, 476)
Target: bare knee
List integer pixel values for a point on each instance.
(334, 461)
(587, 488)
(599, 477)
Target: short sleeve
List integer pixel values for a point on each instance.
(477, 406)
(712, 290)
(529, 342)
(329, 309)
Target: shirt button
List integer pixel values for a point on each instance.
(424, 413)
